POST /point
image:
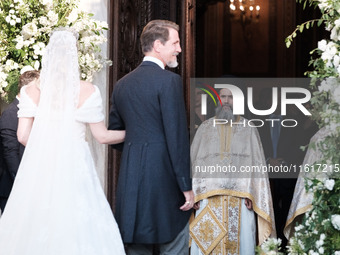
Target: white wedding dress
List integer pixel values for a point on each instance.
(57, 205)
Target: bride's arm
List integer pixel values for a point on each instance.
(104, 136)
(24, 129)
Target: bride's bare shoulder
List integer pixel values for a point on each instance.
(86, 90)
(33, 91)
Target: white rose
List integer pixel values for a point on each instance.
(29, 30)
(8, 19)
(11, 11)
(322, 45)
(36, 49)
(321, 250)
(337, 253)
(8, 65)
(27, 43)
(336, 221)
(18, 20)
(73, 16)
(336, 60)
(36, 65)
(323, 236)
(12, 22)
(323, 4)
(43, 21)
(15, 65)
(3, 76)
(48, 3)
(53, 17)
(4, 84)
(329, 184)
(319, 243)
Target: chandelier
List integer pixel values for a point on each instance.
(244, 10)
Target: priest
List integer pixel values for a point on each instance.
(230, 182)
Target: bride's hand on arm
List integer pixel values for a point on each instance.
(104, 136)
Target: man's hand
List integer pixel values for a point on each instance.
(197, 205)
(189, 200)
(248, 203)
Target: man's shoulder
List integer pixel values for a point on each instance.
(147, 73)
(9, 115)
(11, 109)
(157, 71)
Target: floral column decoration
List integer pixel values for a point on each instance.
(25, 27)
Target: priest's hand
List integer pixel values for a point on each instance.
(196, 205)
(248, 203)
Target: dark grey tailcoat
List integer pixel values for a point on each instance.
(155, 163)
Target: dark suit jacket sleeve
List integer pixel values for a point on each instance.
(10, 144)
(115, 120)
(176, 132)
(1, 158)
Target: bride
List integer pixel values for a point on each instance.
(57, 205)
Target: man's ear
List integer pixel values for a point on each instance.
(157, 45)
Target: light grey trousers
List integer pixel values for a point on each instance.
(178, 246)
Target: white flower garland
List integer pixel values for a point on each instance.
(25, 30)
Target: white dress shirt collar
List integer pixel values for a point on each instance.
(154, 60)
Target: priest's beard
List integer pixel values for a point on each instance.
(225, 112)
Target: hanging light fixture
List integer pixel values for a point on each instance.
(246, 10)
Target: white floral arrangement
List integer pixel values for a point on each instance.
(319, 232)
(25, 28)
(270, 247)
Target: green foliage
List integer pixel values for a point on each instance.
(25, 28)
(318, 233)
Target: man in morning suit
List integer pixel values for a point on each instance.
(154, 193)
(11, 149)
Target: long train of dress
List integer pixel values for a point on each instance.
(57, 205)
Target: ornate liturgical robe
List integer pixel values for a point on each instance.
(224, 160)
(302, 200)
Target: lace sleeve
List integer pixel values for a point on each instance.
(92, 109)
(27, 108)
